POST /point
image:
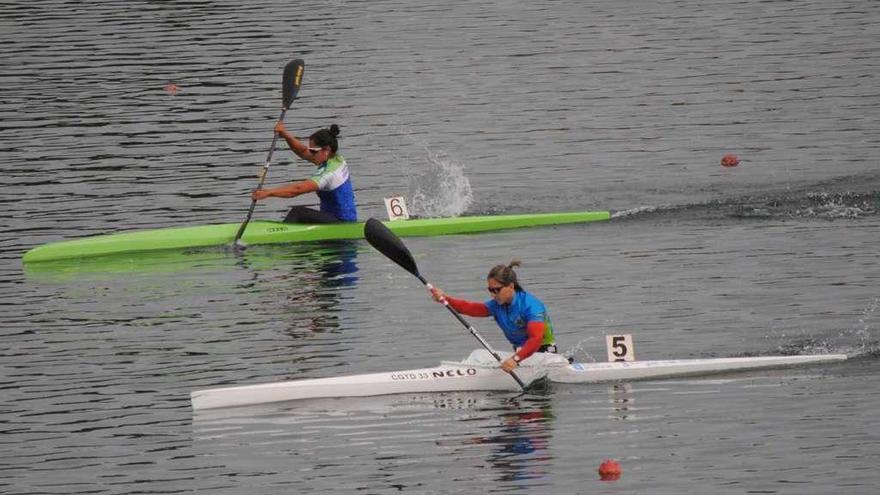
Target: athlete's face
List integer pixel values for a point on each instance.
(317, 154)
(502, 293)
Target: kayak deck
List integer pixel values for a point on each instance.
(270, 232)
(468, 375)
(480, 372)
(641, 370)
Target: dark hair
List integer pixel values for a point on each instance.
(504, 274)
(326, 137)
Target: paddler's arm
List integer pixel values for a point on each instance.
(291, 190)
(300, 148)
(468, 308)
(535, 330)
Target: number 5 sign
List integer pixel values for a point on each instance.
(620, 348)
(396, 208)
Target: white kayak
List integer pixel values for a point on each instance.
(642, 370)
(480, 371)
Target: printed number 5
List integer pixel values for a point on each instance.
(620, 347)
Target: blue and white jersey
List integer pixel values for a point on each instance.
(335, 189)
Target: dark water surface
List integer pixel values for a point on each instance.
(464, 107)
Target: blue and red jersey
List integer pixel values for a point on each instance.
(524, 321)
(514, 318)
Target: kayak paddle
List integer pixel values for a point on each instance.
(387, 243)
(290, 83)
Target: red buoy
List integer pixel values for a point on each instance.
(729, 160)
(171, 89)
(610, 470)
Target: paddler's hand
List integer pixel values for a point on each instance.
(437, 294)
(260, 194)
(280, 129)
(509, 364)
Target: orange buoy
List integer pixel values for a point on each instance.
(610, 470)
(729, 160)
(171, 89)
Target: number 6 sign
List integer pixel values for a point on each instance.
(620, 348)
(396, 208)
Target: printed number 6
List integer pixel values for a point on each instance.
(396, 209)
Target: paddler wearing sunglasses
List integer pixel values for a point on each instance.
(521, 316)
(331, 181)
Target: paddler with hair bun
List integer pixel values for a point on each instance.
(521, 316)
(331, 181)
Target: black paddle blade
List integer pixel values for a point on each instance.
(381, 238)
(293, 73)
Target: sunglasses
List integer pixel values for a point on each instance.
(495, 290)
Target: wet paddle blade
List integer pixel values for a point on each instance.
(291, 81)
(387, 243)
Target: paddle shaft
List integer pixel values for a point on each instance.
(473, 331)
(290, 83)
(263, 175)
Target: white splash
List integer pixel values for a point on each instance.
(441, 189)
(436, 183)
(580, 348)
(854, 341)
(863, 330)
(633, 211)
(832, 206)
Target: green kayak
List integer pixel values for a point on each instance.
(270, 232)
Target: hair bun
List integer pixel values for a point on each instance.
(334, 129)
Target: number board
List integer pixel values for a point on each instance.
(620, 348)
(396, 208)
